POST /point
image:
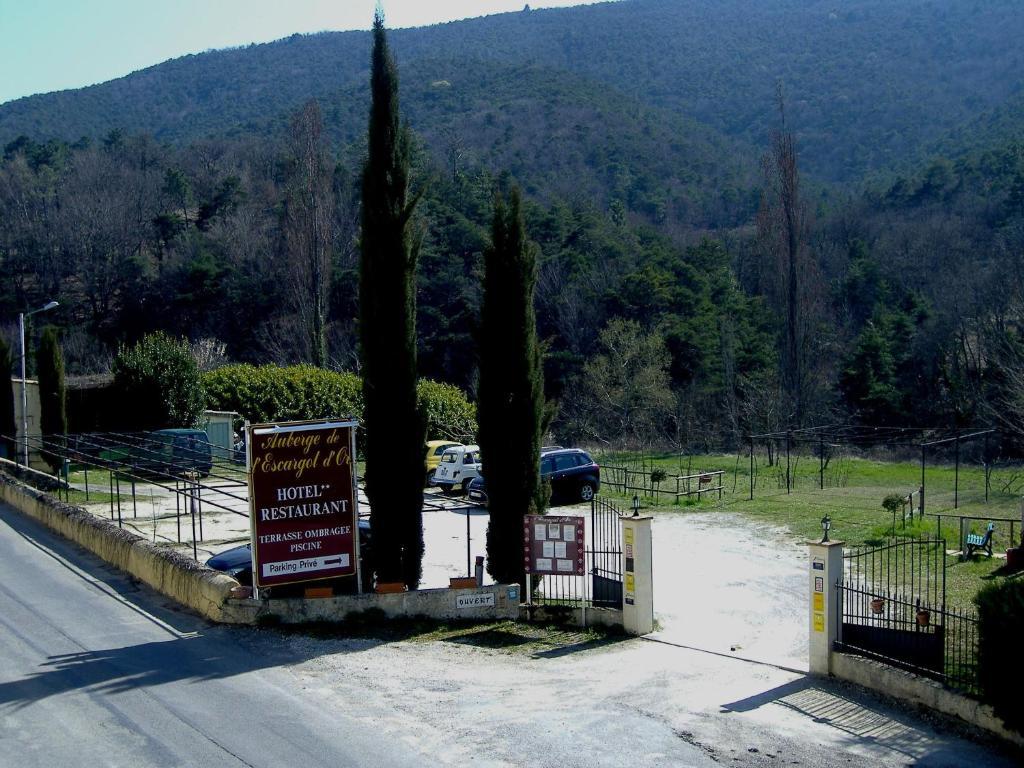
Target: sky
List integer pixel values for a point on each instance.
(50, 45)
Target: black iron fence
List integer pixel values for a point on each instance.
(892, 607)
(601, 587)
(936, 642)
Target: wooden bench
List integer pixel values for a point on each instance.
(976, 541)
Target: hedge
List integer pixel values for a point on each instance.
(270, 393)
(1000, 668)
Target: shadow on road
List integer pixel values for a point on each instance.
(163, 642)
(860, 714)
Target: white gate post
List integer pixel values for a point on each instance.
(637, 575)
(825, 568)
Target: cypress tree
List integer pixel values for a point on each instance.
(510, 407)
(8, 428)
(395, 428)
(52, 396)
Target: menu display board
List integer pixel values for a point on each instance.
(302, 501)
(554, 545)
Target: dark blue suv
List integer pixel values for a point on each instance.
(574, 476)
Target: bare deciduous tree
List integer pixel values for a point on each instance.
(307, 229)
(791, 274)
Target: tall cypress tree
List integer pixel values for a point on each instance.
(7, 426)
(52, 396)
(510, 407)
(395, 427)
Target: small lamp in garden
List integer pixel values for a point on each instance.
(636, 506)
(826, 524)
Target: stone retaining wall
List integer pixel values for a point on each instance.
(170, 573)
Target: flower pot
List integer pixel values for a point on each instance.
(878, 605)
(923, 618)
(389, 587)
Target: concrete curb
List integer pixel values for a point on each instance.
(195, 586)
(908, 687)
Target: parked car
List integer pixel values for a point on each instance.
(458, 466)
(435, 448)
(477, 490)
(237, 562)
(573, 474)
(172, 452)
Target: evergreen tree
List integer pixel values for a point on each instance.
(7, 426)
(52, 397)
(510, 405)
(395, 428)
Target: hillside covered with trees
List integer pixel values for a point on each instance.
(705, 261)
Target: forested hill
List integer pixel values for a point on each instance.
(870, 83)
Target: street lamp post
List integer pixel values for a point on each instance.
(24, 384)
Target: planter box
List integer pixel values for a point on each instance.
(389, 587)
(314, 593)
(462, 582)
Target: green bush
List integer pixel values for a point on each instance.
(448, 413)
(1000, 668)
(270, 393)
(158, 383)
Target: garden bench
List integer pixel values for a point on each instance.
(976, 541)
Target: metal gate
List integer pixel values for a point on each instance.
(605, 555)
(892, 604)
(601, 586)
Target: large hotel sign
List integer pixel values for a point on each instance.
(302, 501)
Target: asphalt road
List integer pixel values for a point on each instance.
(96, 670)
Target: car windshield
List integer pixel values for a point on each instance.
(450, 458)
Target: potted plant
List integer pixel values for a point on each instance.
(924, 617)
(891, 504)
(878, 605)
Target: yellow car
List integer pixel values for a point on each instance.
(434, 450)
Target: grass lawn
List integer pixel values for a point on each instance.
(852, 497)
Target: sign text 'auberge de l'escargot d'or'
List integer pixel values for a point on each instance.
(303, 504)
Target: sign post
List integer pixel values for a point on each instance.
(554, 546)
(302, 499)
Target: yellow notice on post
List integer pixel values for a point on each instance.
(819, 622)
(819, 601)
(629, 535)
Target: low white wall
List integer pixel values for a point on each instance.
(560, 614)
(921, 691)
(493, 602)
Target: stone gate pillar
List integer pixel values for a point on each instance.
(825, 568)
(637, 575)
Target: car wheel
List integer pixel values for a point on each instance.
(429, 479)
(465, 485)
(587, 491)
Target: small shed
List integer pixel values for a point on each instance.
(220, 428)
